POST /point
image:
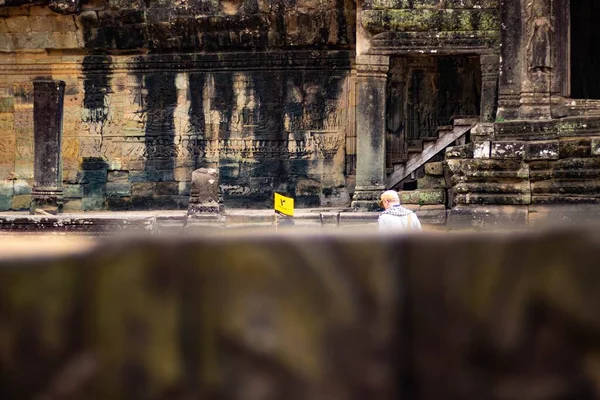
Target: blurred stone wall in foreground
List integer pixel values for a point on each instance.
(306, 317)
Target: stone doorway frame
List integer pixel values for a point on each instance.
(372, 80)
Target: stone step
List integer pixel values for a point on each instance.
(431, 182)
(424, 196)
(434, 168)
(460, 151)
(417, 159)
(430, 138)
(444, 129)
(414, 146)
(464, 120)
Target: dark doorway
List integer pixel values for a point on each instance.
(585, 49)
(438, 90)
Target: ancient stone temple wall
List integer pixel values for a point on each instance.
(153, 91)
(438, 25)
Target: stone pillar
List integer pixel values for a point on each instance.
(489, 88)
(560, 87)
(47, 190)
(509, 82)
(372, 72)
(537, 64)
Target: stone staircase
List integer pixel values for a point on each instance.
(422, 150)
(579, 107)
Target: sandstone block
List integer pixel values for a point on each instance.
(167, 188)
(118, 202)
(482, 131)
(481, 165)
(183, 174)
(7, 104)
(493, 199)
(577, 163)
(559, 187)
(165, 202)
(5, 202)
(434, 168)
(504, 150)
(462, 151)
(40, 11)
(142, 176)
(18, 11)
(18, 24)
(21, 202)
(595, 147)
(64, 23)
(117, 176)
(23, 171)
(119, 189)
(7, 42)
(184, 188)
(423, 196)
(542, 150)
(481, 149)
(143, 189)
(3, 26)
(72, 191)
(6, 188)
(431, 182)
(492, 187)
(432, 216)
(21, 187)
(64, 40)
(94, 189)
(577, 147)
(41, 24)
(33, 40)
(93, 203)
(93, 176)
(72, 204)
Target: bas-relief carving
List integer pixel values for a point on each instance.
(539, 36)
(128, 123)
(23, 122)
(7, 149)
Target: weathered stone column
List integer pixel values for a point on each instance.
(509, 83)
(47, 190)
(489, 87)
(371, 84)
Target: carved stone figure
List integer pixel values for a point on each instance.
(539, 38)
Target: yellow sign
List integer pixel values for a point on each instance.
(284, 205)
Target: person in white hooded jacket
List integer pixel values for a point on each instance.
(395, 217)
